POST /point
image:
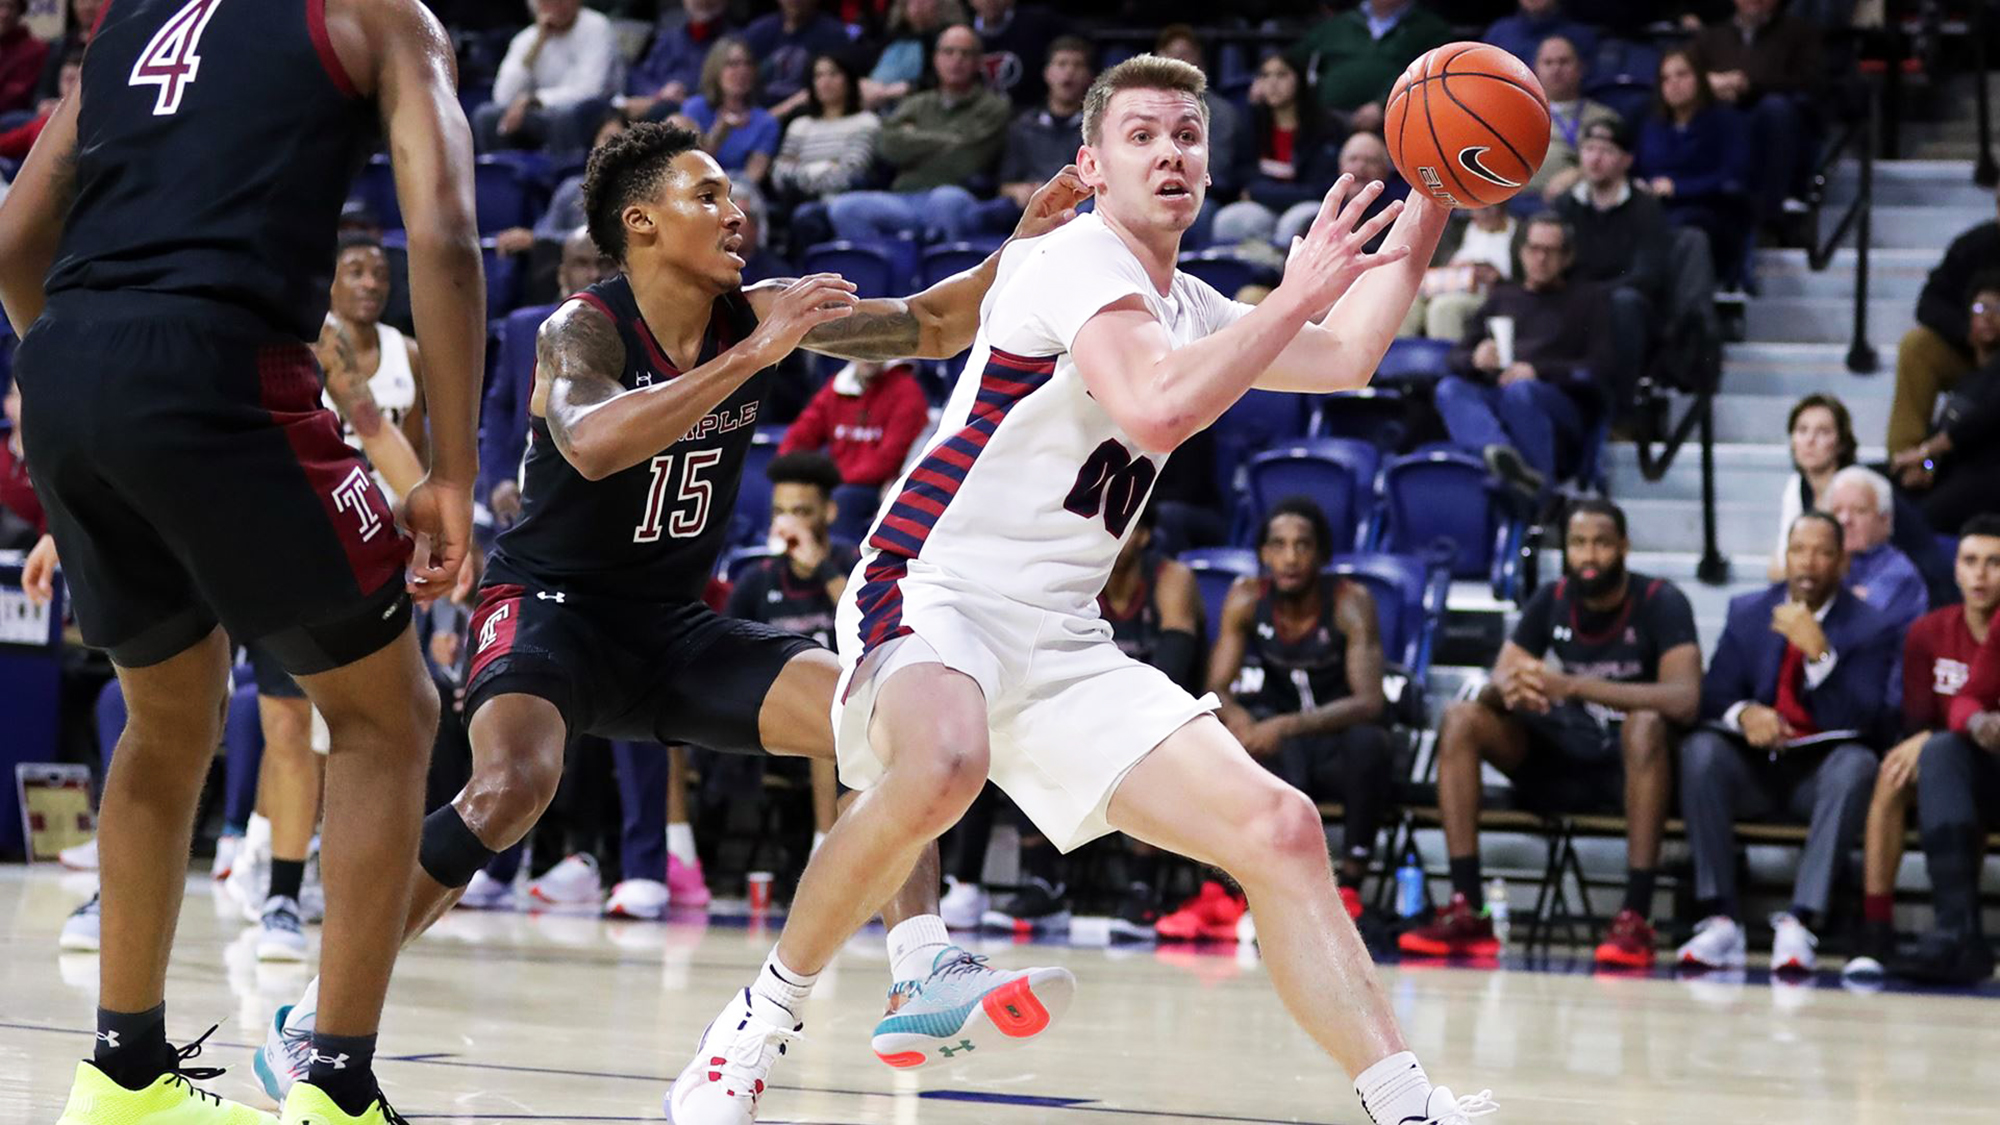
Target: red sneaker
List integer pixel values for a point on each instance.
(1351, 899)
(1628, 944)
(1211, 915)
(1458, 931)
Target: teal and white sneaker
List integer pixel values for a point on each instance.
(287, 1049)
(966, 1008)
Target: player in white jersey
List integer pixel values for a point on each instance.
(972, 646)
(383, 365)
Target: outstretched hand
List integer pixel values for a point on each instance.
(1053, 204)
(802, 306)
(1332, 255)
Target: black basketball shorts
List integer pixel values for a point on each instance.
(1575, 763)
(629, 670)
(192, 477)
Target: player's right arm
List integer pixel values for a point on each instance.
(601, 427)
(31, 218)
(1162, 395)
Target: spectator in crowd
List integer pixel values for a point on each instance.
(555, 72)
(1473, 256)
(783, 46)
(1042, 141)
(1560, 70)
(1938, 351)
(1293, 158)
(565, 210)
(1352, 57)
(22, 520)
(1016, 38)
(1621, 242)
(1823, 443)
(1226, 151)
(77, 30)
(1877, 573)
(1938, 653)
(21, 58)
(671, 68)
(914, 26)
(1954, 469)
(830, 148)
(1596, 732)
(1767, 64)
(1794, 697)
(865, 418)
(1297, 663)
(1958, 802)
(937, 141)
(15, 142)
(1525, 411)
(1694, 155)
(760, 262)
(742, 135)
(1523, 33)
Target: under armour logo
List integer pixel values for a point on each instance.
(963, 1046)
(545, 596)
(108, 1038)
(352, 493)
(337, 1062)
(490, 632)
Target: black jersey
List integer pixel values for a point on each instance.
(1303, 671)
(1136, 631)
(651, 532)
(216, 142)
(1622, 644)
(773, 593)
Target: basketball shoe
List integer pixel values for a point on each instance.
(82, 857)
(1629, 943)
(225, 855)
(81, 929)
(638, 898)
(686, 885)
(1211, 915)
(287, 1049)
(281, 934)
(724, 1083)
(1717, 944)
(573, 882)
(486, 893)
(1794, 948)
(1457, 931)
(172, 1099)
(1037, 908)
(307, 1104)
(966, 1007)
(963, 905)
(1446, 1109)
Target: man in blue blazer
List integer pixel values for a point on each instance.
(1792, 706)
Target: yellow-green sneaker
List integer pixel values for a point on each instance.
(307, 1104)
(173, 1099)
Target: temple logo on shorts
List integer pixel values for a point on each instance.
(490, 632)
(352, 494)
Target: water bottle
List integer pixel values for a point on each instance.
(1411, 897)
(1496, 907)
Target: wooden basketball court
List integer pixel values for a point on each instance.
(548, 1018)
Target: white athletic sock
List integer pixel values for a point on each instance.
(680, 843)
(1395, 1090)
(781, 988)
(914, 945)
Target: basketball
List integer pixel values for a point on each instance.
(1468, 123)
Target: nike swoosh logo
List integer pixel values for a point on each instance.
(1469, 158)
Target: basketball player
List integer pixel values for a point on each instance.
(374, 372)
(194, 483)
(970, 640)
(590, 619)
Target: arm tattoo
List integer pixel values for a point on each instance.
(876, 330)
(346, 387)
(581, 355)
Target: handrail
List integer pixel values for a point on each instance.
(1713, 568)
(1858, 218)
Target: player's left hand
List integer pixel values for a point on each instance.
(38, 574)
(1053, 204)
(440, 517)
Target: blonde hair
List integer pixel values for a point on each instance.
(1141, 72)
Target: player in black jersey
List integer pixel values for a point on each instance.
(164, 252)
(1154, 606)
(1590, 735)
(1297, 662)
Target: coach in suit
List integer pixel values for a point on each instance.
(1798, 665)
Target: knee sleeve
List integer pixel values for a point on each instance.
(450, 853)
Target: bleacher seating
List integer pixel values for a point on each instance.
(1446, 494)
(1227, 271)
(872, 269)
(1377, 415)
(1215, 569)
(1412, 361)
(1338, 473)
(752, 519)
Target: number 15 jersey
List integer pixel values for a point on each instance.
(1029, 487)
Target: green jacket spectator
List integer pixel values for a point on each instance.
(935, 139)
(1355, 56)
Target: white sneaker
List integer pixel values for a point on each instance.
(225, 856)
(312, 891)
(80, 930)
(1717, 944)
(1444, 1109)
(281, 935)
(1863, 968)
(573, 882)
(1792, 946)
(82, 857)
(249, 881)
(964, 905)
(486, 893)
(287, 1049)
(726, 1079)
(638, 898)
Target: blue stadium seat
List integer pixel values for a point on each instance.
(1623, 60)
(940, 262)
(1338, 473)
(1409, 592)
(872, 269)
(751, 521)
(1443, 495)
(503, 279)
(1413, 359)
(1258, 421)
(376, 187)
(735, 562)
(1215, 568)
(1227, 271)
(504, 195)
(1377, 415)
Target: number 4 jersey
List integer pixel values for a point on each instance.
(650, 532)
(1029, 486)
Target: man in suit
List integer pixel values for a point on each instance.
(1792, 704)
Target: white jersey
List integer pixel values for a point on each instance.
(393, 385)
(1029, 487)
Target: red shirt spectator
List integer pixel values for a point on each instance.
(1982, 686)
(17, 492)
(21, 58)
(15, 142)
(865, 418)
(1937, 659)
